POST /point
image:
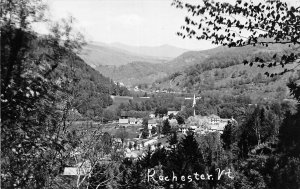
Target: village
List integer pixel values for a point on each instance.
(136, 136)
(199, 125)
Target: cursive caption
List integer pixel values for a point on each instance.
(187, 178)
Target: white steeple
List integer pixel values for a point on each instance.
(194, 103)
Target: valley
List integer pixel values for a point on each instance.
(219, 70)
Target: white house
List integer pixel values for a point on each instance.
(132, 121)
(81, 168)
(123, 122)
(152, 123)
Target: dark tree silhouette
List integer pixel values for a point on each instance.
(227, 136)
(173, 139)
(160, 111)
(290, 128)
(166, 127)
(180, 119)
(107, 142)
(145, 132)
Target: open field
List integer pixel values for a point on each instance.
(112, 129)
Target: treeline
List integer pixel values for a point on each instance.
(141, 108)
(225, 106)
(156, 101)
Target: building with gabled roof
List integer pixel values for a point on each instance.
(152, 123)
(132, 121)
(123, 122)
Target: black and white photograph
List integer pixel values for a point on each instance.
(150, 94)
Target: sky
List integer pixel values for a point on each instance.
(131, 22)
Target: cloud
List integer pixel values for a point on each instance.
(130, 20)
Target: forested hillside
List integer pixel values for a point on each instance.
(223, 71)
(91, 89)
(134, 73)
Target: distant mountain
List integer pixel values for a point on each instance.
(96, 54)
(146, 72)
(130, 65)
(163, 51)
(205, 70)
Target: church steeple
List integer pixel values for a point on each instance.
(194, 103)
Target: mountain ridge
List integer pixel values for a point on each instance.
(163, 51)
(95, 55)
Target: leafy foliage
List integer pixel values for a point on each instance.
(31, 143)
(270, 23)
(42, 81)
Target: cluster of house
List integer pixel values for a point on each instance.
(125, 120)
(206, 124)
(197, 124)
(129, 121)
(136, 147)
